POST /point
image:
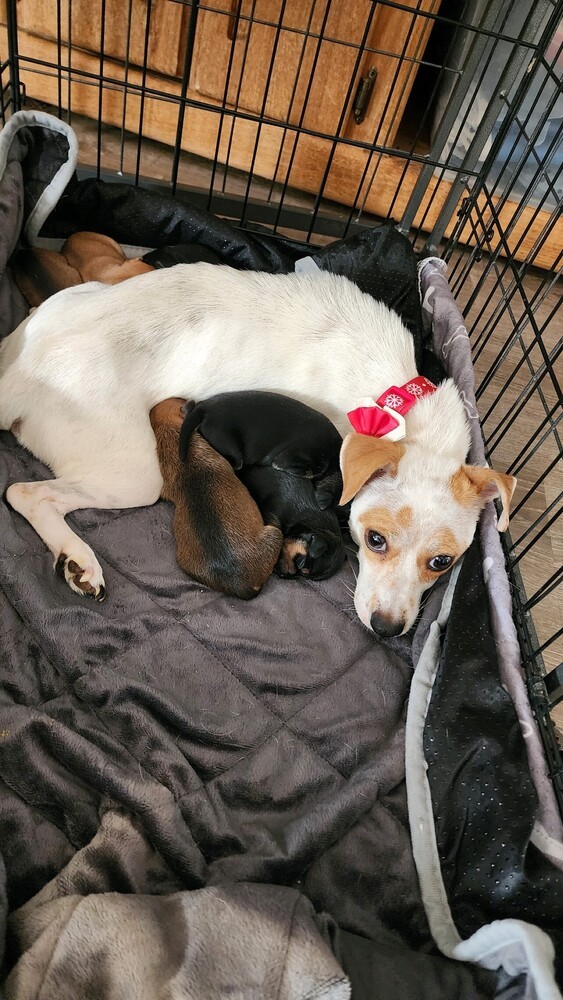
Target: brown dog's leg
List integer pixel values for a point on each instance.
(40, 273)
(84, 257)
(99, 258)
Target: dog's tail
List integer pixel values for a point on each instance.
(191, 423)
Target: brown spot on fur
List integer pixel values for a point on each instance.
(40, 273)
(475, 486)
(386, 521)
(390, 524)
(62, 568)
(404, 517)
(16, 427)
(166, 417)
(294, 547)
(444, 543)
(99, 258)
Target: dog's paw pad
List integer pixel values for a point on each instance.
(87, 580)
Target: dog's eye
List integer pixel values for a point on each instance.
(440, 563)
(375, 541)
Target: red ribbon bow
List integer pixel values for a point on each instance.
(376, 420)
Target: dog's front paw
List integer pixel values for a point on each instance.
(83, 574)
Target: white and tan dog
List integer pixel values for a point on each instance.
(79, 377)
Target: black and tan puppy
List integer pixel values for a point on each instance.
(312, 541)
(221, 540)
(266, 428)
(287, 455)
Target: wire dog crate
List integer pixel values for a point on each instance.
(318, 118)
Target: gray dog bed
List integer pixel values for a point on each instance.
(257, 800)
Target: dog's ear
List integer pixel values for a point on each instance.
(328, 490)
(299, 465)
(486, 485)
(361, 457)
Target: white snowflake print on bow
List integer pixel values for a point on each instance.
(414, 389)
(393, 401)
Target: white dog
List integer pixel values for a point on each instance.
(80, 375)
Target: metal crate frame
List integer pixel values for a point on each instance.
(509, 288)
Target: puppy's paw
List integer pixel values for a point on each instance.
(292, 557)
(316, 555)
(83, 573)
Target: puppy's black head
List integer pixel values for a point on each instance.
(315, 553)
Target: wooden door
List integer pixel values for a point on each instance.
(298, 63)
(289, 69)
(120, 33)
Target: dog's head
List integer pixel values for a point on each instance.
(306, 512)
(414, 513)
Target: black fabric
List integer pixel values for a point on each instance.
(182, 253)
(152, 218)
(384, 969)
(483, 797)
(40, 151)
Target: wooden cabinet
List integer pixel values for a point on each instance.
(296, 64)
(306, 76)
(116, 28)
(272, 86)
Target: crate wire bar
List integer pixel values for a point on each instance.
(253, 109)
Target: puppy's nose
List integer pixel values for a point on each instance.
(384, 627)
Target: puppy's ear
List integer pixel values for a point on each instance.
(361, 457)
(482, 485)
(328, 490)
(294, 464)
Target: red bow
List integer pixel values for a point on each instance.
(377, 420)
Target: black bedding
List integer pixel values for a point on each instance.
(258, 744)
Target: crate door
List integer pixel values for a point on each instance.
(296, 66)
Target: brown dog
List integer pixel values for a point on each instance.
(221, 540)
(84, 257)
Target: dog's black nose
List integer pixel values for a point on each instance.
(384, 627)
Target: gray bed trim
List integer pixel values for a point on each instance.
(513, 945)
(53, 191)
(451, 343)
(421, 817)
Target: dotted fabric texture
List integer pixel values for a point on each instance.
(483, 797)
